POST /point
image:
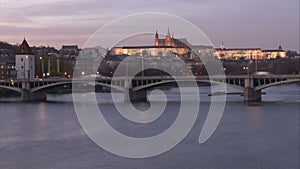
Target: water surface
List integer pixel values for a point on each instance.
(47, 135)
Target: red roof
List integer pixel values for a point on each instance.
(24, 49)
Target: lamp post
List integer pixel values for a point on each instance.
(42, 60)
(24, 72)
(28, 71)
(49, 66)
(142, 66)
(255, 61)
(249, 65)
(127, 69)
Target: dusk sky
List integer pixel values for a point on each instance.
(238, 23)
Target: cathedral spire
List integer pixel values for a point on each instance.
(169, 32)
(168, 40)
(156, 39)
(222, 45)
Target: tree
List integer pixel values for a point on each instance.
(40, 63)
(53, 63)
(291, 54)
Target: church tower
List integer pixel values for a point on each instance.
(168, 41)
(156, 43)
(222, 45)
(25, 66)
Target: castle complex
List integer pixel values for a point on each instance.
(170, 46)
(249, 53)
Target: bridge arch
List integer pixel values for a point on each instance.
(48, 86)
(276, 84)
(11, 88)
(152, 85)
(117, 88)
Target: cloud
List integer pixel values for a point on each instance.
(218, 18)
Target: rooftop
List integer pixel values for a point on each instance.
(24, 49)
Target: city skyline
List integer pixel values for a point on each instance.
(266, 24)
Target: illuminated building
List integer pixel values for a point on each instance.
(249, 53)
(162, 47)
(7, 69)
(273, 53)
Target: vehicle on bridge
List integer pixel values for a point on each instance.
(262, 73)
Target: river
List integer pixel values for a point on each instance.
(47, 135)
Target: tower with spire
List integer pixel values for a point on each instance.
(25, 64)
(168, 41)
(156, 42)
(222, 45)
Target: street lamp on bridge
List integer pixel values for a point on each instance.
(43, 74)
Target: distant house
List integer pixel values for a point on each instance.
(70, 51)
(273, 53)
(249, 53)
(7, 69)
(25, 63)
(202, 50)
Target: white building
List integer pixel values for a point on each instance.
(25, 66)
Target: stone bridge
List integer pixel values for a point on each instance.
(136, 88)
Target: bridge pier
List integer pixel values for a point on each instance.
(133, 96)
(137, 96)
(250, 95)
(27, 95)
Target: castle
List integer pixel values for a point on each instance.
(171, 41)
(162, 47)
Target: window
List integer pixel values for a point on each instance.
(22, 67)
(22, 59)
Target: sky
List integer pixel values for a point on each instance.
(238, 23)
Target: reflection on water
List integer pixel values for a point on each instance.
(48, 135)
(282, 93)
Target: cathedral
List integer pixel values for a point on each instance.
(161, 48)
(171, 41)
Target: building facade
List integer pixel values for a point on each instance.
(161, 48)
(249, 53)
(70, 51)
(273, 53)
(25, 62)
(7, 69)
